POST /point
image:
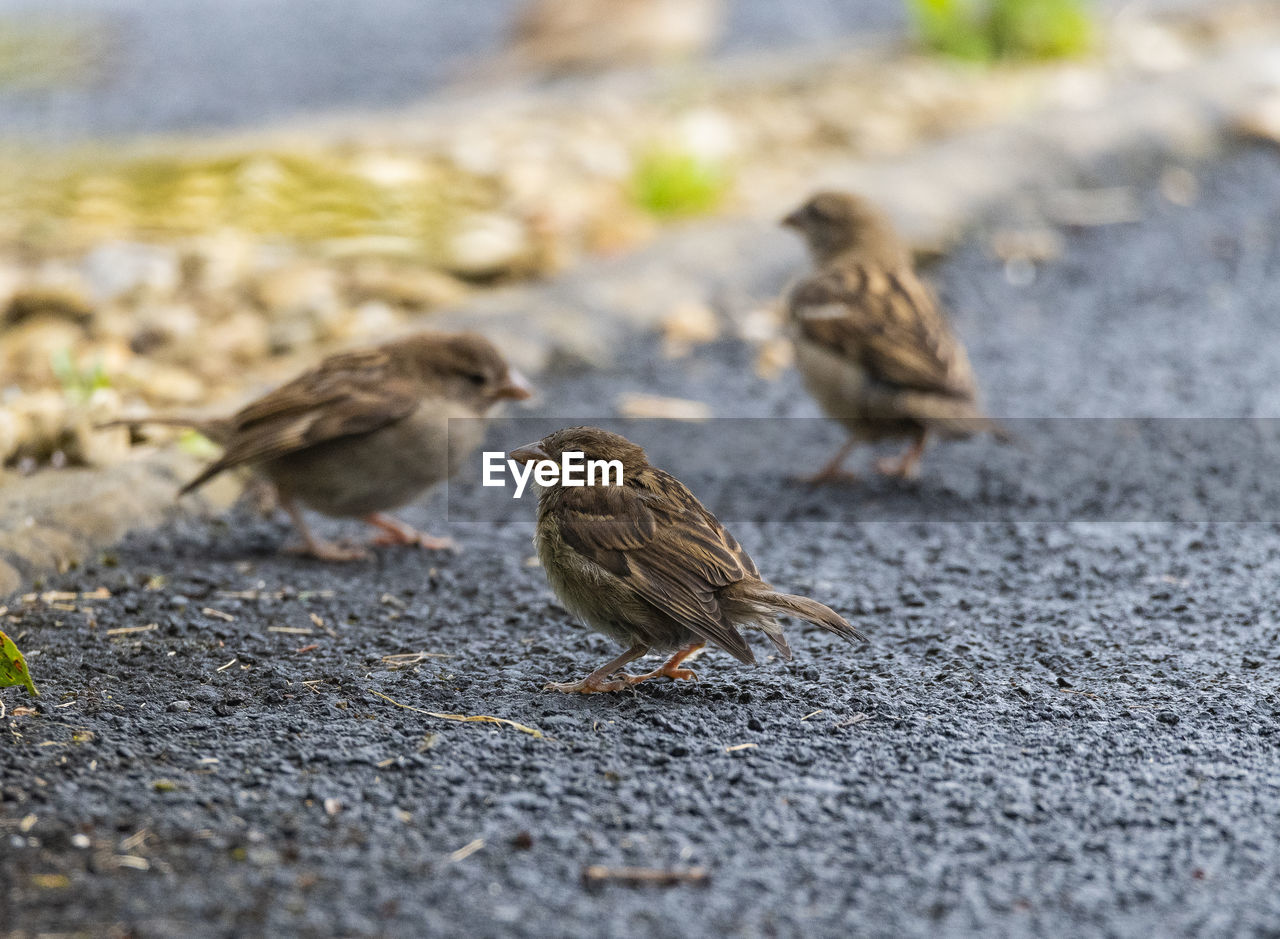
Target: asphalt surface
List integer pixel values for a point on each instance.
(1064, 728)
(195, 65)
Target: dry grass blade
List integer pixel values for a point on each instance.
(644, 876)
(858, 718)
(126, 630)
(740, 746)
(406, 659)
(466, 718)
(466, 850)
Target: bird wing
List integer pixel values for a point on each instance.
(888, 323)
(666, 546)
(345, 395)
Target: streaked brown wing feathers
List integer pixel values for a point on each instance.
(667, 546)
(346, 395)
(888, 323)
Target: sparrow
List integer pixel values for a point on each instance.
(562, 36)
(643, 561)
(871, 343)
(365, 432)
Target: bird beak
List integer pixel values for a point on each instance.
(516, 387)
(794, 220)
(529, 452)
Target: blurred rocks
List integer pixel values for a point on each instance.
(636, 405)
(410, 288)
(116, 268)
(689, 324)
(485, 245)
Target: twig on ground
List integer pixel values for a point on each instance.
(466, 718)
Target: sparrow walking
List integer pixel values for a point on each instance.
(871, 342)
(646, 563)
(366, 432)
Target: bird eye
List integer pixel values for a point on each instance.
(476, 378)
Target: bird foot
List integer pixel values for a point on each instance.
(666, 671)
(619, 681)
(328, 551)
(419, 540)
(396, 532)
(899, 468)
(590, 685)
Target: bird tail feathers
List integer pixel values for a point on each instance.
(815, 613)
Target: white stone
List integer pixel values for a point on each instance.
(119, 267)
(485, 244)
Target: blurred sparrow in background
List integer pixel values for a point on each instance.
(646, 563)
(365, 432)
(562, 36)
(871, 343)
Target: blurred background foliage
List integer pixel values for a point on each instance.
(671, 183)
(990, 30)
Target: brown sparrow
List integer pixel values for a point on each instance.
(871, 343)
(365, 432)
(560, 36)
(644, 561)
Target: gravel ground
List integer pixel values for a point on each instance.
(189, 65)
(1058, 729)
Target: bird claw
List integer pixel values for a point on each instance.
(328, 551)
(396, 532)
(418, 540)
(901, 468)
(686, 674)
(588, 686)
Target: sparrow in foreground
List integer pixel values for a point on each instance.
(646, 563)
(871, 343)
(366, 432)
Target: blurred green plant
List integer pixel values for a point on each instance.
(78, 384)
(193, 443)
(990, 30)
(670, 183)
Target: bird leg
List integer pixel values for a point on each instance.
(831, 472)
(907, 465)
(599, 681)
(317, 547)
(395, 531)
(671, 667)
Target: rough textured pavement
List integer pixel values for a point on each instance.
(1058, 729)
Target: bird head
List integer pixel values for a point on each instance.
(468, 368)
(592, 442)
(839, 223)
